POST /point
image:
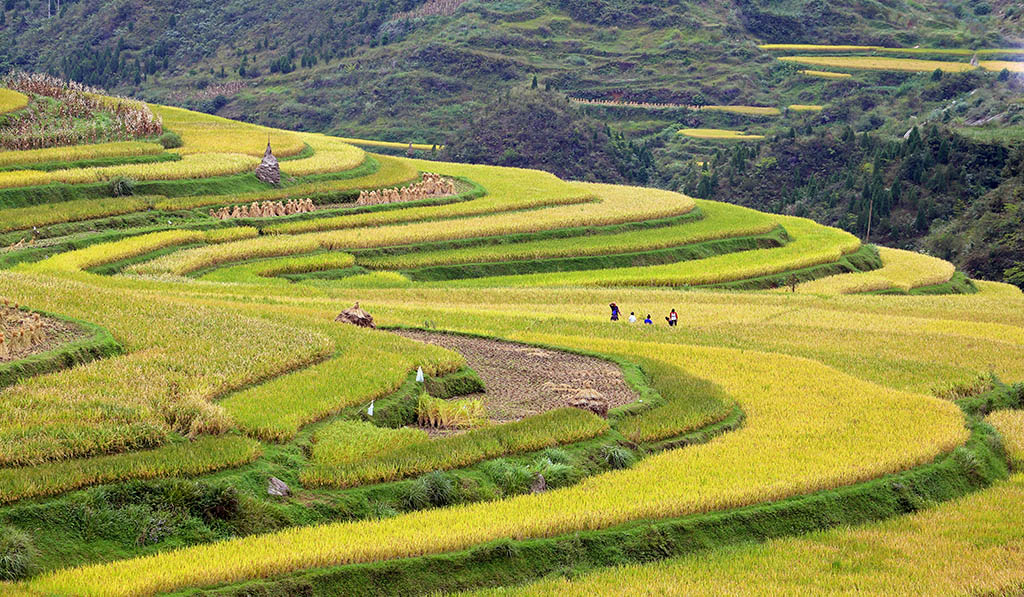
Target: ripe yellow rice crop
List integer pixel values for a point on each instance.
(880, 63)
(617, 204)
(813, 244)
(721, 220)
(904, 270)
(123, 403)
(748, 110)
(508, 189)
(205, 133)
(805, 108)
(258, 272)
(976, 539)
(276, 410)
(115, 149)
(184, 458)
(185, 262)
(719, 134)
(1010, 424)
(1012, 66)
(226, 235)
(11, 100)
(191, 166)
(389, 144)
(22, 218)
(824, 74)
(116, 251)
(815, 47)
(809, 428)
(900, 342)
(561, 426)
(348, 442)
(832, 386)
(997, 288)
(330, 154)
(949, 51)
(392, 172)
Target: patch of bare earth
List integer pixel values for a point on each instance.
(57, 334)
(522, 381)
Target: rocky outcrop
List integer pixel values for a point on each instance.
(277, 487)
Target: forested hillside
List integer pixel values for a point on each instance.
(500, 82)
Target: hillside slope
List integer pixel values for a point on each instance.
(375, 66)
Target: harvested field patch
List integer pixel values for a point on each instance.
(522, 380)
(57, 333)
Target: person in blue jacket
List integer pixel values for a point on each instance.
(648, 320)
(615, 311)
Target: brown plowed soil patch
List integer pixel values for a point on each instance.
(522, 380)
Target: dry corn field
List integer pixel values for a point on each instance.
(784, 378)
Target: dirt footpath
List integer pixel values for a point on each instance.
(523, 380)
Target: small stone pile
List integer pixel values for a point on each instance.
(267, 209)
(19, 331)
(432, 185)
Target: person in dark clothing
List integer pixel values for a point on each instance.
(615, 311)
(672, 318)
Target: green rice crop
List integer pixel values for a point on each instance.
(349, 442)
(721, 220)
(277, 409)
(549, 429)
(261, 271)
(813, 244)
(196, 457)
(115, 149)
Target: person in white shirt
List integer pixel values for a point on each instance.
(632, 317)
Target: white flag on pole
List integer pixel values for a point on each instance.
(419, 375)
(369, 411)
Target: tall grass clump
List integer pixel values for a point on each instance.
(17, 554)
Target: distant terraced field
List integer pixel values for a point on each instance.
(812, 381)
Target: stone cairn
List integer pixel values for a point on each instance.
(432, 185)
(266, 209)
(19, 331)
(268, 171)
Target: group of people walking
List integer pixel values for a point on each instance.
(672, 317)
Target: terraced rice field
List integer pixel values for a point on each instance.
(11, 100)
(825, 74)
(902, 270)
(792, 411)
(879, 63)
(918, 50)
(723, 134)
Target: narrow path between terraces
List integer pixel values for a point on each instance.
(522, 380)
